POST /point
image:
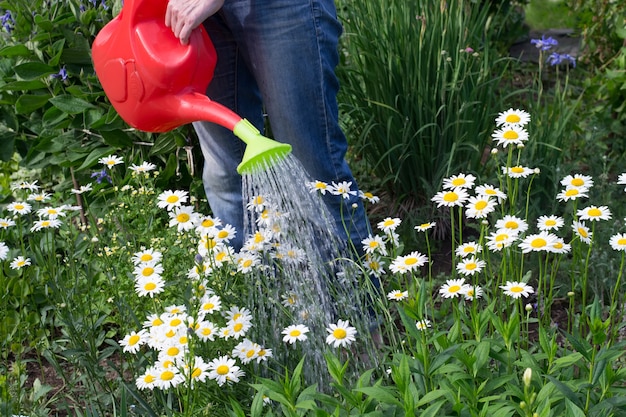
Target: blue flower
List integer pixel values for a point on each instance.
(7, 21)
(62, 74)
(544, 43)
(101, 176)
(558, 59)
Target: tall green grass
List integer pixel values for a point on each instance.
(419, 83)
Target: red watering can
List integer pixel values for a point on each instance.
(156, 84)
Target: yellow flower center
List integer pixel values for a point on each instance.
(471, 266)
(454, 288)
(510, 135)
(148, 379)
(147, 271)
(173, 351)
(250, 353)
(538, 243)
(517, 170)
(516, 289)
(558, 245)
(237, 327)
(594, 212)
(150, 286)
(295, 333)
(247, 263)
(208, 306)
(19, 206)
(167, 375)
(175, 322)
(622, 242)
(450, 197)
(196, 373)
(157, 322)
(206, 331)
(424, 225)
(207, 223)
(410, 261)
(45, 223)
(172, 199)
(145, 257)
(577, 182)
(170, 333)
(388, 223)
(339, 333)
(133, 340)
(571, 192)
(222, 370)
(550, 222)
(457, 182)
(480, 205)
(373, 244)
(501, 237)
(582, 232)
(182, 217)
(511, 225)
(512, 118)
(222, 234)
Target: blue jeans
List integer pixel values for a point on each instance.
(278, 56)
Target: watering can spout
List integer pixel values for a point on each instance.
(156, 84)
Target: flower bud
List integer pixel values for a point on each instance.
(528, 376)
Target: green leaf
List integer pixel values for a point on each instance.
(34, 70)
(433, 409)
(164, 144)
(28, 103)
(384, 395)
(566, 361)
(573, 410)
(93, 157)
(15, 50)
(8, 146)
(44, 23)
(565, 390)
(23, 85)
(70, 104)
(117, 138)
(430, 397)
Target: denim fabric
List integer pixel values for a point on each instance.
(278, 56)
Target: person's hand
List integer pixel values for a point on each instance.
(183, 16)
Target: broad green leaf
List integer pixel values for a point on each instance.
(93, 157)
(565, 390)
(430, 397)
(383, 395)
(70, 104)
(34, 70)
(15, 50)
(23, 85)
(164, 144)
(8, 146)
(44, 23)
(566, 361)
(573, 410)
(28, 103)
(432, 410)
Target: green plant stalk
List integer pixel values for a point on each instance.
(613, 306)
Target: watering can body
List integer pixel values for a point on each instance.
(157, 84)
(153, 81)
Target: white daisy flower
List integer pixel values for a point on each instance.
(517, 289)
(408, 263)
(470, 266)
(469, 248)
(147, 255)
(340, 334)
(19, 262)
(500, 239)
(551, 222)
(19, 207)
(133, 341)
(542, 241)
(472, 292)
(593, 213)
(45, 224)
(512, 223)
(582, 231)
(389, 224)
(459, 181)
(374, 244)
(5, 223)
(369, 197)
(617, 242)
(171, 199)
(397, 295)
(4, 251)
(572, 193)
(513, 117)
(478, 207)
(451, 198)
(490, 191)
(342, 189)
(318, 186)
(183, 218)
(517, 171)
(423, 324)
(453, 288)
(425, 226)
(294, 333)
(111, 160)
(149, 286)
(577, 181)
(513, 135)
(143, 167)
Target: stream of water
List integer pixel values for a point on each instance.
(308, 276)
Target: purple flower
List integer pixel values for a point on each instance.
(62, 74)
(101, 176)
(7, 21)
(544, 43)
(558, 59)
